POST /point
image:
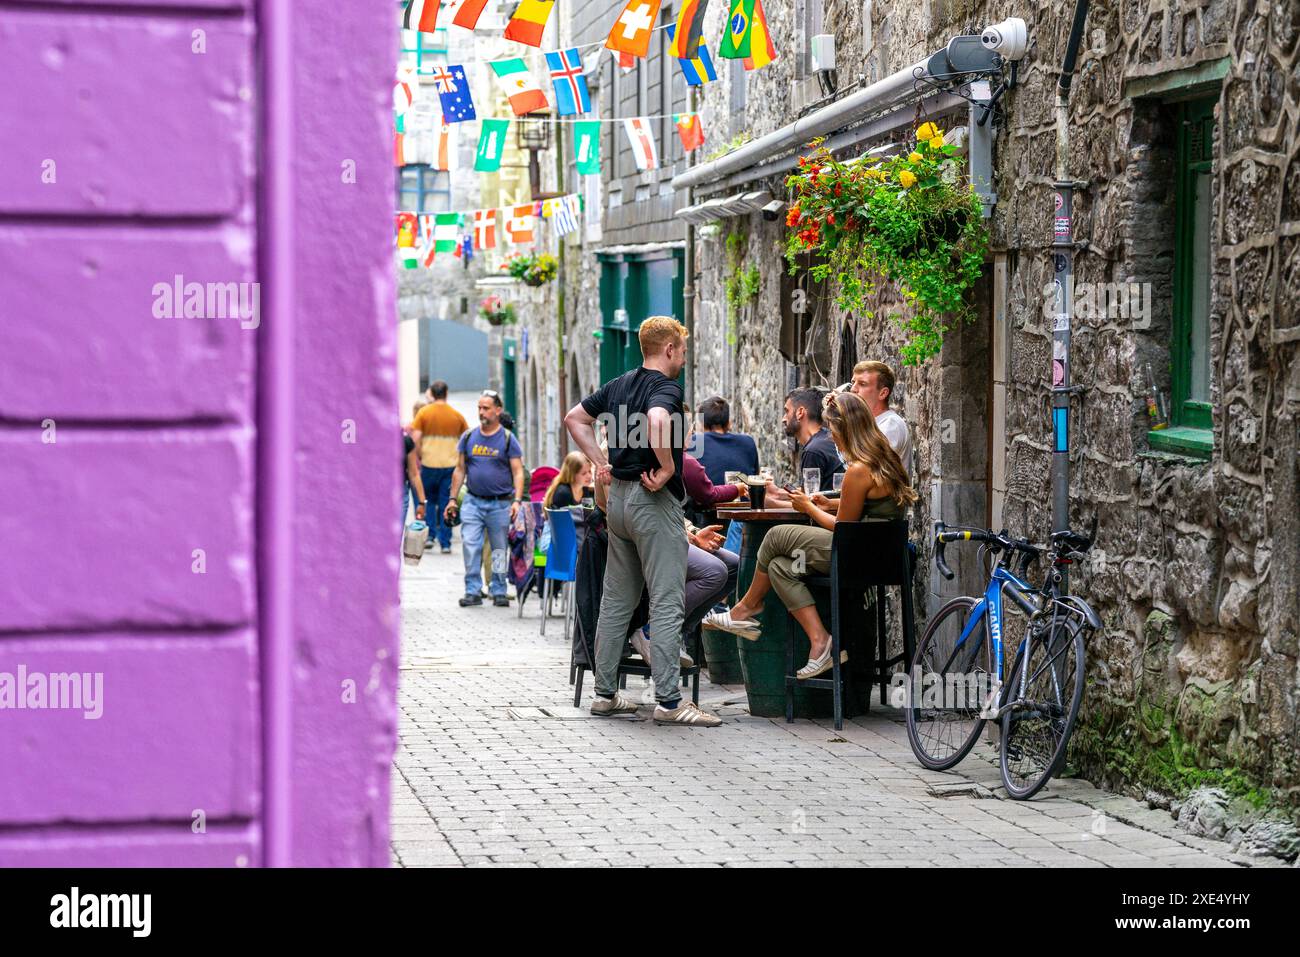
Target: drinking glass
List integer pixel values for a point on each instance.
(837, 481)
(812, 481)
(766, 473)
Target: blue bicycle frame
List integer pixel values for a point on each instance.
(991, 605)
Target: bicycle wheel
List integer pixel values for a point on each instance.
(941, 736)
(1036, 727)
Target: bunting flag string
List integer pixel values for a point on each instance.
(529, 22)
(422, 237)
(761, 50)
(698, 69)
(631, 31)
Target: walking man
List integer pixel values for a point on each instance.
(490, 466)
(436, 428)
(645, 425)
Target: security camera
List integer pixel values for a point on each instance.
(1010, 38)
(773, 210)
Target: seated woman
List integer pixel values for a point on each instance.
(875, 486)
(572, 484)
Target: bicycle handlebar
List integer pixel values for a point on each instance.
(943, 534)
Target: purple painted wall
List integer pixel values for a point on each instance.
(199, 509)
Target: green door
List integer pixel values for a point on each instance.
(634, 286)
(508, 381)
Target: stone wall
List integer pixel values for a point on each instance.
(1193, 677)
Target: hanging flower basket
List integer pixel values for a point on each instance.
(910, 220)
(497, 312)
(532, 270)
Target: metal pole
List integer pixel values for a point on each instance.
(1063, 247)
(688, 281)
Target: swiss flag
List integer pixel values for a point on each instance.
(631, 31)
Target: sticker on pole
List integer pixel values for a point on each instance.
(1058, 348)
(1059, 200)
(1062, 323)
(1062, 225)
(1058, 372)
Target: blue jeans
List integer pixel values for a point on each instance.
(437, 488)
(479, 515)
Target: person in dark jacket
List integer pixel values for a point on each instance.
(718, 448)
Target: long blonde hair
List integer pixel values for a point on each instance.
(855, 431)
(570, 469)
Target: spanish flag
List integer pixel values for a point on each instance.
(690, 24)
(761, 50)
(529, 22)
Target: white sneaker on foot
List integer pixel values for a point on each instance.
(686, 713)
(619, 704)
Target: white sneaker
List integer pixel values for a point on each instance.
(686, 713)
(685, 660)
(619, 704)
(641, 646)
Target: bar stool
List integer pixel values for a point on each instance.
(868, 554)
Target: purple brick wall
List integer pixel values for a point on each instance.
(198, 509)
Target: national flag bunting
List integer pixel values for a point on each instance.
(643, 142)
(491, 144)
(586, 146)
(407, 228)
(421, 15)
(736, 37)
(529, 22)
(631, 31)
(453, 94)
(699, 70)
(625, 60)
(443, 159)
(519, 224)
(445, 236)
(684, 37)
(566, 214)
(468, 14)
(761, 49)
(525, 95)
(689, 129)
(426, 234)
(571, 95)
(485, 228)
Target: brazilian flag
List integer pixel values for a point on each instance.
(740, 25)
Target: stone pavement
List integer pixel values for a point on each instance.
(495, 767)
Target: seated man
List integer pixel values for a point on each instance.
(718, 448)
(802, 420)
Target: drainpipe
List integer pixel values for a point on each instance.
(560, 274)
(1063, 247)
(688, 281)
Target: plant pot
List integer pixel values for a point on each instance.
(946, 226)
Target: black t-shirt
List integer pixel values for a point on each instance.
(407, 448)
(625, 404)
(563, 497)
(820, 453)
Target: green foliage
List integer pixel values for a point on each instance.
(735, 143)
(906, 221)
(742, 285)
(532, 270)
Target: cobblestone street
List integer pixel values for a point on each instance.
(495, 766)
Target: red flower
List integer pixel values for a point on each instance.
(830, 218)
(839, 188)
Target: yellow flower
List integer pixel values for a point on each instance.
(928, 131)
(914, 157)
(937, 142)
(907, 178)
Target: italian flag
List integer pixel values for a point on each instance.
(525, 95)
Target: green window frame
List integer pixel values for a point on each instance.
(423, 51)
(1191, 421)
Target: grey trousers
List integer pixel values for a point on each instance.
(647, 550)
(710, 578)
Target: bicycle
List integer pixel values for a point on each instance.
(959, 660)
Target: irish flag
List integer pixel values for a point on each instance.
(529, 22)
(445, 237)
(525, 95)
(421, 15)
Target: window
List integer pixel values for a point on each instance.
(1190, 413)
(423, 189)
(424, 51)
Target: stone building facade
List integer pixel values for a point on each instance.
(1192, 679)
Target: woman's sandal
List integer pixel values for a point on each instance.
(820, 664)
(722, 621)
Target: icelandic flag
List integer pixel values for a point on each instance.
(570, 84)
(453, 94)
(699, 70)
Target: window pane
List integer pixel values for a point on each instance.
(1199, 358)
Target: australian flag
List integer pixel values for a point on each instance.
(453, 94)
(570, 84)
